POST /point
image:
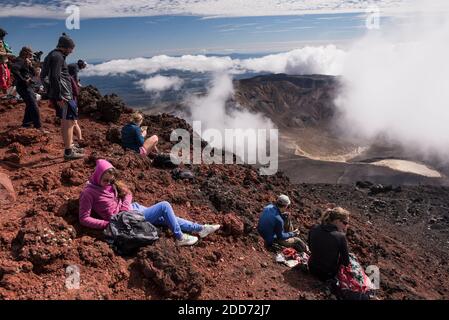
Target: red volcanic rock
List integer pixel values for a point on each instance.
(24, 136)
(404, 233)
(72, 177)
(232, 225)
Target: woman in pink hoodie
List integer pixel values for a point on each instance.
(106, 197)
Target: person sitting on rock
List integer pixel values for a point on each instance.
(327, 242)
(106, 196)
(330, 253)
(272, 226)
(133, 137)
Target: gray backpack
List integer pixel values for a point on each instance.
(128, 231)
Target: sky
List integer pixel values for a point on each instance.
(128, 29)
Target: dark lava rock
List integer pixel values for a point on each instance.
(363, 184)
(114, 134)
(87, 99)
(110, 108)
(173, 274)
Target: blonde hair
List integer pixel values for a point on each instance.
(337, 213)
(136, 117)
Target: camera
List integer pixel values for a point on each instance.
(37, 56)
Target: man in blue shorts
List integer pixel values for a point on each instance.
(60, 93)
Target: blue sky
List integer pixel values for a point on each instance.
(118, 34)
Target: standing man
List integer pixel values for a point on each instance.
(60, 93)
(74, 69)
(24, 73)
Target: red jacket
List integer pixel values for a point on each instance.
(5, 77)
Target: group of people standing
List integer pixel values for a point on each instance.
(52, 78)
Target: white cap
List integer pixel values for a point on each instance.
(283, 200)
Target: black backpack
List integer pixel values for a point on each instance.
(163, 161)
(128, 231)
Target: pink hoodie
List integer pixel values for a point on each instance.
(102, 200)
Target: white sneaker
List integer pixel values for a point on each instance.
(208, 229)
(187, 240)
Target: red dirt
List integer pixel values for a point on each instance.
(40, 235)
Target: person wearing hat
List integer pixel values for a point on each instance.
(5, 50)
(24, 72)
(272, 226)
(55, 73)
(74, 69)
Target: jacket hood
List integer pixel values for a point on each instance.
(101, 167)
(329, 227)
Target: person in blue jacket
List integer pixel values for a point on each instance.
(133, 137)
(272, 226)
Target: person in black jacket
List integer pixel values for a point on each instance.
(56, 75)
(327, 243)
(24, 72)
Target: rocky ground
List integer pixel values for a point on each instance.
(402, 231)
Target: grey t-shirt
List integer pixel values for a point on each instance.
(59, 83)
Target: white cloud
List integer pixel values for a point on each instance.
(197, 63)
(207, 8)
(321, 59)
(160, 83)
(396, 86)
(307, 60)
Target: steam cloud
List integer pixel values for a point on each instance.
(212, 112)
(397, 86)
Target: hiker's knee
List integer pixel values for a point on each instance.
(166, 206)
(154, 139)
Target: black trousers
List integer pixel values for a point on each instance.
(32, 114)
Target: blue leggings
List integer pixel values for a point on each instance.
(161, 214)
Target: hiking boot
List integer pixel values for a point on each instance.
(73, 155)
(208, 229)
(187, 240)
(77, 148)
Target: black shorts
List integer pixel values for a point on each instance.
(68, 112)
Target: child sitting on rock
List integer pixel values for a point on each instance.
(133, 137)
(106, 197)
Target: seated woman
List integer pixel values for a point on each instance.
(331, 261)
(327, 243)
(133, 137)
(106, 196)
